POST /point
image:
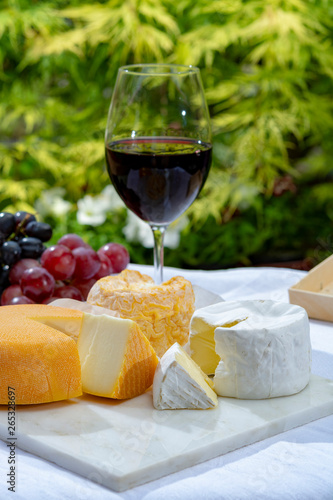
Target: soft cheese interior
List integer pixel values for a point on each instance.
(97, 340)
(117, 360)
(256, 349)
(180, 384)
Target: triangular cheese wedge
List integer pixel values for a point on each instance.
(117, 360)
(179, 383)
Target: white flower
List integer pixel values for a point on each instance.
(51, 202)
(136, 230)
(111, 199)
(90, 211)
(172, 235)
(60, 207)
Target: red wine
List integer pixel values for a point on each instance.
(158, 178)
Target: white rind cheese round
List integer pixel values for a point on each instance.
(257, 349)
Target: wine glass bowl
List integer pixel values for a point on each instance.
(158, 143)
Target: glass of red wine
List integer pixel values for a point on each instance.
(158, 144)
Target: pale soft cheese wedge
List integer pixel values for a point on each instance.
(117, 360)
(38, 359)
(256, 349)
(79, 305)
(71, 326)
(74, 329)
(179, 383)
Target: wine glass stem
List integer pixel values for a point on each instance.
(158, 232)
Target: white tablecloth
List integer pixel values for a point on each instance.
(297, 464)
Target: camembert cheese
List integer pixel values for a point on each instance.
(256, 349)
(163, 312)
(117, 360)
(179, 383)
(38, 358)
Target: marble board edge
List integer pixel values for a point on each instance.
(122, 482)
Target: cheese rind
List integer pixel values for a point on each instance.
(117, 360)
(262, 348)
(37, 360)
(163, 312)
(180, 384)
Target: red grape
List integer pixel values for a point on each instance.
(68, 292)
(59, 261)
(37, 283)
(9, 293)
(117, 254)
(72, 241)
(20, 266)
(87, 263)
(22, 299)
(84, 286)
(49, 300)
(106, 267)
(59, 284)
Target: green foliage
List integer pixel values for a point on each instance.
(267, 67)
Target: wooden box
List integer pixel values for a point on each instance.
(315, 291)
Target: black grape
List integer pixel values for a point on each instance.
(39, 230)
(7, 223)
(31, 247)
(10, 252)
(2, 238)
(23, 216)
(4, 277)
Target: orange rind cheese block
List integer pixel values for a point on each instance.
(38, 358)
(163, 312)
(117, 360)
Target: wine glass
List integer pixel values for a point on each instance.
(158, 144)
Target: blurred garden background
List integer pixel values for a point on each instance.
(267, 69)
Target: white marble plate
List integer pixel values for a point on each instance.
(123, 444)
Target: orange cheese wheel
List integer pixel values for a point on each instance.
(163, 312)
(37, 361)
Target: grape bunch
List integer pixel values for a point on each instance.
(21, 238)
(34, 274)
